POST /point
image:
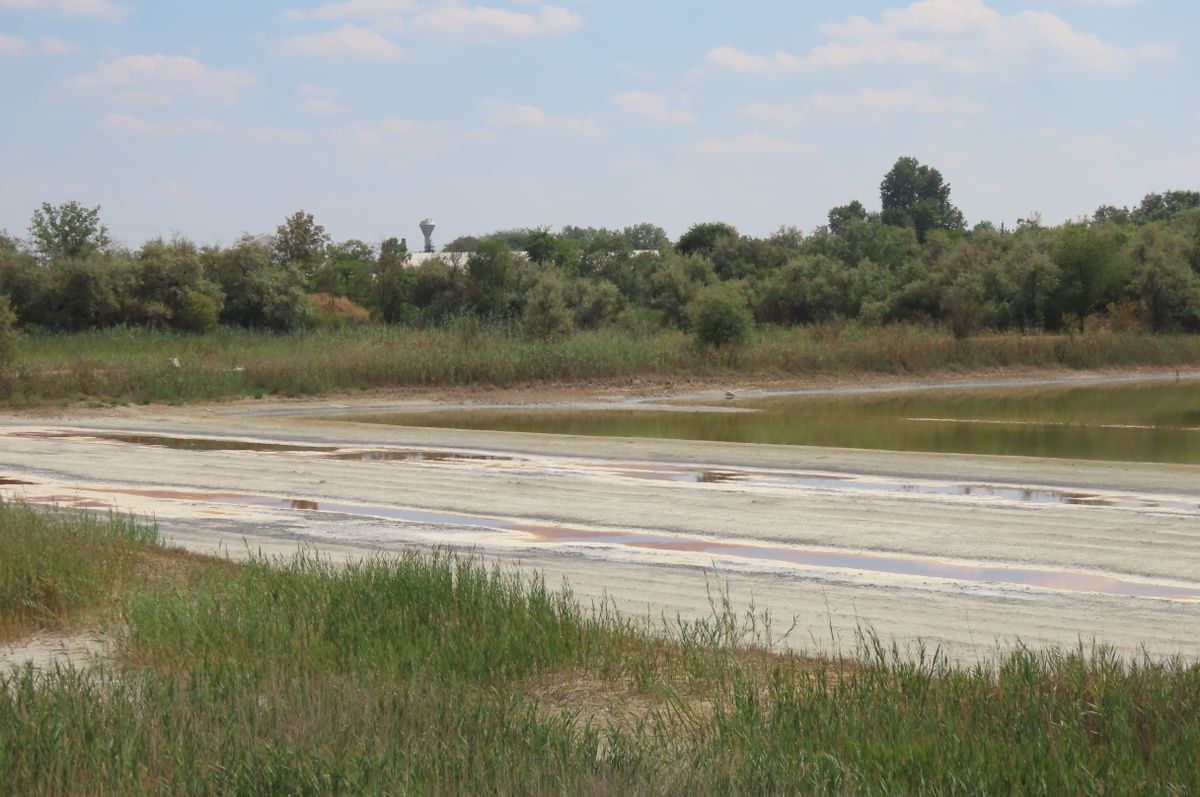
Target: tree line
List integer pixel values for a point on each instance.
(915, 260)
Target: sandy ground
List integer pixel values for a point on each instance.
(599, 485)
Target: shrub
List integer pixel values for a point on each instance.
(719, 316)
(8, 336)
(546, 313)
(197, 312)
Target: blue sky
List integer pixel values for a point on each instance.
(219, 118)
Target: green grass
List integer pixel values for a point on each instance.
(133, 365)
(55, 565)
(430, 674)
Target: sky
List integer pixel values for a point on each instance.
(210, 120)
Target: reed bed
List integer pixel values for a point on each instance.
(436, 674)
(53, 566)
(136, 365)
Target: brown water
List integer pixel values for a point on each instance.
(890, 564)
(233, 444)
(1150, 422)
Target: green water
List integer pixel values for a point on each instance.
(1083, 422)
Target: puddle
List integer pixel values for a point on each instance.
(752, 478)
(401, 455)
(912, 566)
(230, 444)
(177, 443)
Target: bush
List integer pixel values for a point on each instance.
(8, 337)
(546, 313)
(719, 316)
(197, 312)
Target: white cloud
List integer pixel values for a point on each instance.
(139, 126)
(451, 18)
(487, 23)
(752, 144)
(13, 45)
(505, 114)
(864, 102)
(103, 9)
(651, 107)
(348, 41)
(960, 34)
(318, 100)
(357, 9)
(53, 45)
(161, 80)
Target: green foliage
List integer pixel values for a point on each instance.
(85, 294)
(170, 287)
(1166, 287)
(69, 230)
(1093, 266)
(258, 292)
(701, 238)
(437, 289)
(393, 283)
(546, 313)
(594, 304)
(917, 197)
(488, 271)
(8, 340)
(197, 312)
(812, 289)
(348, 270)
(300, 243)
(719, 316)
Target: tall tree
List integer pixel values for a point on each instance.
(300, 242)
(67, 230)
(916, 196)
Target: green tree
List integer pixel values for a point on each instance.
(546, 313)
(1166, 289)
(646, 237)
(300, 243)
(258, 292)
(1094, 269)
(701, 238)
(8, 336)
(1161, 207)
(393, 282)
(719, 316)
(844, 215)
(347, 271)
(541, 245)
(815, 288)
(68, 230)
(169, 283)
(916, 196)
(488, 271)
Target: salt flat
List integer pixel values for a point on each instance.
(621, 520)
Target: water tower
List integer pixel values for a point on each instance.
(427, 226)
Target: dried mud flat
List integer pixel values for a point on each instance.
(968, 554)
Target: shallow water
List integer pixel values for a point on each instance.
(1151, 422)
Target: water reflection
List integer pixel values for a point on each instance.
(1141, 422)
